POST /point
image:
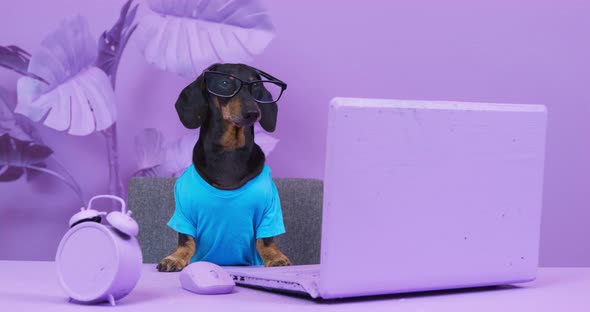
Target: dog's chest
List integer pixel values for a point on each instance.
(228, 208)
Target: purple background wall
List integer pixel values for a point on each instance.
(494, 51)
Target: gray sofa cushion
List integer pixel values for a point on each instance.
(301, 202)
(152, 203)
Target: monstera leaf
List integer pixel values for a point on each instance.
(149, 147)
(17, 59)
(154, 158)
(20, 145)
(22, 150)
(112, 42)
(78, 96)
(158, 159)
(178, 155)
(18, 157)
(8, 122)
(185, 36)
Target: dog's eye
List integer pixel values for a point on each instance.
(224, 83)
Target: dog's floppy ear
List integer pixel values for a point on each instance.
(268, 116)
(268, 112)
(192, 106)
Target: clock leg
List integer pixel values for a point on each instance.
(112, 300)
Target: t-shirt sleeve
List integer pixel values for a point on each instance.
(180, 222)
(271, 223)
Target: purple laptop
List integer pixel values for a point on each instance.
(423, 195)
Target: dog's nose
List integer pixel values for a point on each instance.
(252, 115)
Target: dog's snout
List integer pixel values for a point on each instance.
(252, 115)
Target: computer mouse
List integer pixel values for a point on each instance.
(206, 278)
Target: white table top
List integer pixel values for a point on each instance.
(33, 286)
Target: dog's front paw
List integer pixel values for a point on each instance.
(171, 264)
(279, 260)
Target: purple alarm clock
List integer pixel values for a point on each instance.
(97, 262)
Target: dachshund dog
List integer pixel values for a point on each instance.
(225, 101)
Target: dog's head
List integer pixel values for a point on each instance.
(238, 93)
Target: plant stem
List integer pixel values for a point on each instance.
(115, 185)
(57, 175)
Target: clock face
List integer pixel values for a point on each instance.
(87, 260)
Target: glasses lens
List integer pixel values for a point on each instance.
(222, 85)
(266, 91)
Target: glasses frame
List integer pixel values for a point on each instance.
(270, 78)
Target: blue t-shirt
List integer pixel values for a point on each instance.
(226, 223)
